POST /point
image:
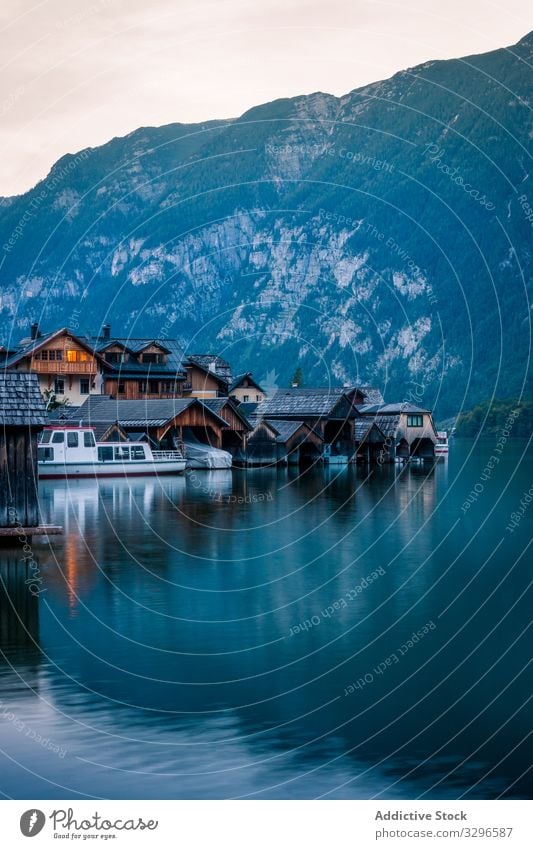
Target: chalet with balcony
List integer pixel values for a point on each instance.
(134, 368)
(66, 365)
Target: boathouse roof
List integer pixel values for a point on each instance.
(21, 402)
(391, 409)
(287, 428)
(212, 364)
(362, 428)
(137, 414)
(299, 401)
(217, 405)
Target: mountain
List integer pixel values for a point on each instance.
(383, 237)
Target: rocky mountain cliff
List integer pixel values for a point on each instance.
(382, 237)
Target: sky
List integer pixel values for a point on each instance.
(76, 73)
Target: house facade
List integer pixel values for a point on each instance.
(246, 390)
(409, 430)
(65, 364)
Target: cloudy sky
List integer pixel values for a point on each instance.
(75, 73)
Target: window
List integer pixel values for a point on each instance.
(46, 436)
(137, 452)
(44, 355)
(51, 354)
(152, 358)
(105, 453)
(167, 386)
(154, 387)
(77, 356)
(245, 398)
(58, 437)
(88, 440)
(122, 452)
(415, 421)
(121, 388)
(59, 355)
(59, 386)
(115, 357)
(257, 398)
(84, 386)
(44, 454)
(142, 386)
(72, 439)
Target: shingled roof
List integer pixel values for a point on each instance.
(21, 402)
(391, 409)
(362, 428)
(137, 414)
(299, 401)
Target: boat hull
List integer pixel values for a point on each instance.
(111, 469)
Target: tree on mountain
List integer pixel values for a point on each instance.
(298, 378)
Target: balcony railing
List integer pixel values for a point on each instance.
(63, 367)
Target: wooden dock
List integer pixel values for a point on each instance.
(36, 530)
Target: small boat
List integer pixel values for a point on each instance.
(441, 447)
(200, 456)
(73, 452)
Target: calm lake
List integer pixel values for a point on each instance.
(275, 634)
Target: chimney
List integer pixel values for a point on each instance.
(106, 331)
(35, 330)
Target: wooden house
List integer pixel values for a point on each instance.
(235, 433)
(278, 441)
(22, 417)
(246, 390)
(66, 365)
(135, 368)
(208, 376)
(409, 430)
(328, 412)
(165, 422)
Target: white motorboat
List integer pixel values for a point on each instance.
(441, 447)
(64, 452)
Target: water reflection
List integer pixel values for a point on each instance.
(176, 660)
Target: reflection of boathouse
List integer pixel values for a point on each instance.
(19, 604)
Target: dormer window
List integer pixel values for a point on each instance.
(153, 358)
(115, 357)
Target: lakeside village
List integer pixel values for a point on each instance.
(75, 405)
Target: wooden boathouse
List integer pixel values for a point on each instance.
(22, 417)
